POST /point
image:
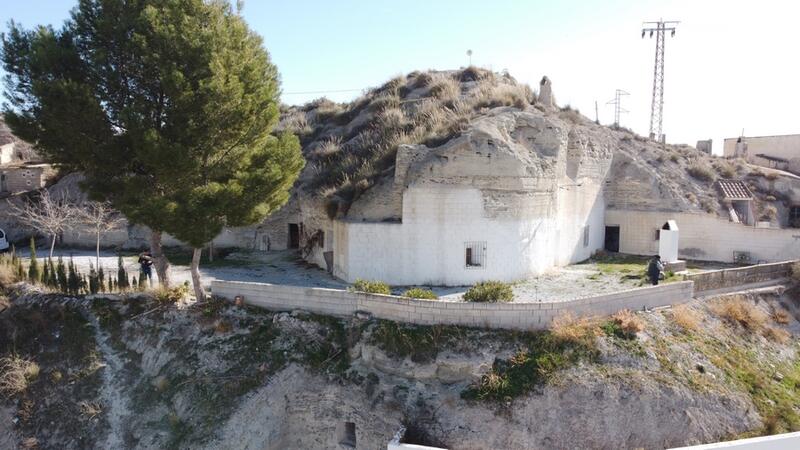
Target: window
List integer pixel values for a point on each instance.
(794, 216)
(321, 239)
(586, 236)
(658, 234)
(475, 255)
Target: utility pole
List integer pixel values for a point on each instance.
(469, 54)
(617, 102)
(596, 115)
(657, 105)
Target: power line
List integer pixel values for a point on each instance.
(657, 105)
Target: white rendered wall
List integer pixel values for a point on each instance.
(703, 236)
(786, 147)
(428, 247)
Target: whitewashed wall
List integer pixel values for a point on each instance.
(704, 237)
(536, 232)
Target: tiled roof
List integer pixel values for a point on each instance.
(734, 189)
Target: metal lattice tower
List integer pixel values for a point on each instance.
(657, 105)
(617, 102)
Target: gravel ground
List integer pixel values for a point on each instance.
(263, 267)
(285, 267)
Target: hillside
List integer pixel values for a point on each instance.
(143, 372)
(352, 148)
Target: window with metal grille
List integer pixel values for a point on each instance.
(586, 236)
(475, 255)
(658, 234)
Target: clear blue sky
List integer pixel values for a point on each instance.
(728, 68)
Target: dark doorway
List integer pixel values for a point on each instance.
(294, 235)
(612, 239)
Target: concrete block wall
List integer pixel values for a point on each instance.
(720, 279)
(703, 236)
(523, 316)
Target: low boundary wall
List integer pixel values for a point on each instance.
(728, 278)
(525, 316)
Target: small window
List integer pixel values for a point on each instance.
(322, 239)
(658, 234)
(475, 255)
(586, 236)
(346, 434)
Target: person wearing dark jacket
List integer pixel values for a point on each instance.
(654, 268)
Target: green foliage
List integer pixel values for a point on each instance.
(33, 267)
(426, 294)
(172, 295)
(61, 275)
(94, 280)
(372, 287)
(538, 359)
(489, 292)
(419, 343)
(166, 106)
(73, 279)
(122, 275)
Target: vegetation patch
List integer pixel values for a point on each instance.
(419, 343)
(489, 292)
(541, 355)
(421, 293)
(371, 287)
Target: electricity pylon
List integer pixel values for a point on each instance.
(617, 102)
(657, 105)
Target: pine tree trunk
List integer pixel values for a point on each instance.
(52, 246)
(159, 259)
(199, 294)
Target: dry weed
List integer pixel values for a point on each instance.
(781, 316)
(737, 309)
(569, 328)
(7, 275)
(628, 322)
(16, 374)
(90, 410)
(776, 334)
(686, 318)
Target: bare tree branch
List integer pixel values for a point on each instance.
(101, 218)
(49, 216)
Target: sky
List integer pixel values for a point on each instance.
(732, 65)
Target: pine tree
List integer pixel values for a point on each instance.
(33, 268)
(94, 283)
(53, 276)
(45, 274)
(193, 150)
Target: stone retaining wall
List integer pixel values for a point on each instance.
(525, 316)
(728, 278)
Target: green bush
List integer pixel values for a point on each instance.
(420, 293)
(372, 287)
(489, 292)
(701, 172)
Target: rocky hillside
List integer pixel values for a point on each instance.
(146, 372)
(352, 148)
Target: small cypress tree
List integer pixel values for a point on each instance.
(110, 284)
(61, 275)
(53, 274)
(94, 283)
(73, 282)
(134, 282)
(101, 278)
(142, 282)
(45, 274)
(33, 269)
(122, 276)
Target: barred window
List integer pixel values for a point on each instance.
(586, 236)
(475, 255)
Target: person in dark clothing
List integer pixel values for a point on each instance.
(654, 268)
(146, 266)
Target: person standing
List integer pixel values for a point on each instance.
(654, 269)
(146, 266)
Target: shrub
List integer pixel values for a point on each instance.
(738, 310)
(372, 287)
(473, 73)
(424, 79)
(16, 373)
(781, 316)
(727, 170)
(571, 329)
(769, 213)
(489, 292)
(796, 271)
(426, 294)
(776, 334)
(701, 172)
(7, 275)
(570, 115)
(172, 295)
(383, 102)
(626, 324)
(445, 89)
(685, 317)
